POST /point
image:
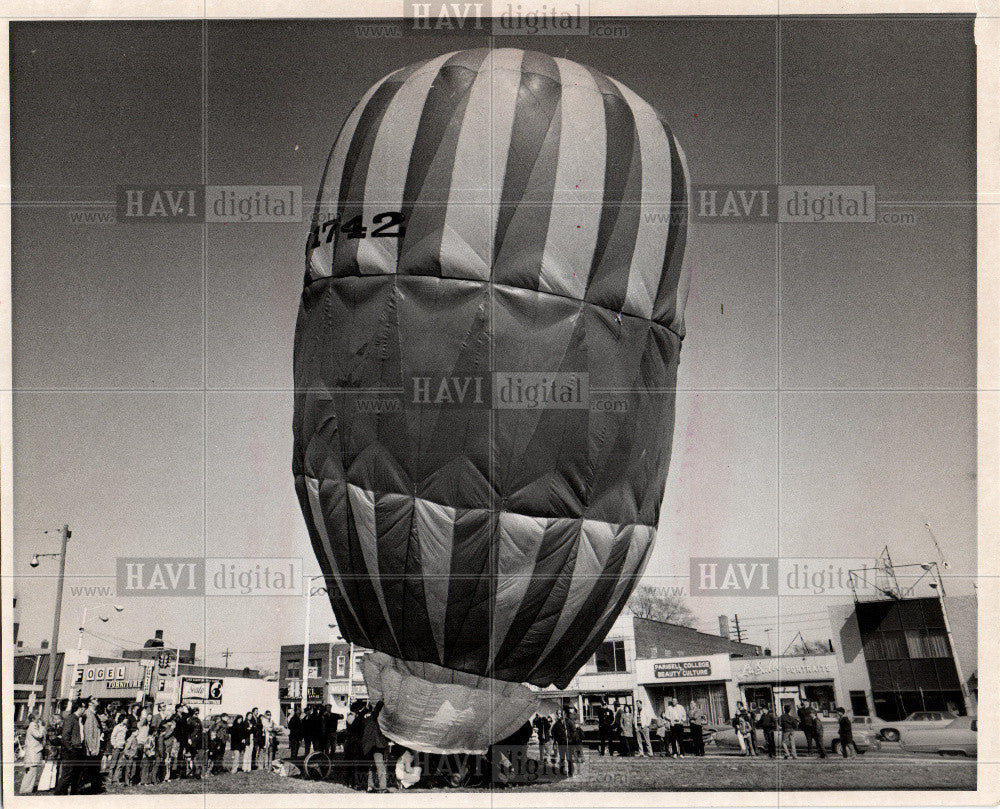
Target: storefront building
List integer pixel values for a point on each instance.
(792, 680)
(704, 679)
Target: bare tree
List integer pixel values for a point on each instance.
(660, 604)
(805, 647)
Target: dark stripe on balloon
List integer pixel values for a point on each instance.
(558, 543)
(350, 199)
(563, 656)
(530, 174)
(522, 661)
(607, 282)
(665, 306)
(467, 620)
(350, 628)
(428, 179)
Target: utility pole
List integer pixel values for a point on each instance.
(53, 646)
(227, 654)
(739, 632)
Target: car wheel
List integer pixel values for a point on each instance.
(890, 735)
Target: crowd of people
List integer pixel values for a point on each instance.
(780, 730)
(96, 747)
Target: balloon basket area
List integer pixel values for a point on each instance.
(432, 709)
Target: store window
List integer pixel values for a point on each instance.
(610, 656)
(926, 643)
(859, 703)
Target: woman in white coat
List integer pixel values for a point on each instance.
(34, 749)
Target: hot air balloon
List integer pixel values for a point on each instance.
(485, 369)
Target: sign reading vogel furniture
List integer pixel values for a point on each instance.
(103, 680)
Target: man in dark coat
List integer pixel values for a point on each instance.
(330, 723)
(374, 746)
(605, 727)
(295, 733)
(71, 743)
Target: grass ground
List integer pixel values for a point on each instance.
(873, 771)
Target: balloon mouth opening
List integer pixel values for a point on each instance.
(431, 709)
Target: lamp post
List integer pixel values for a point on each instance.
(65, 534)
(304, 699)
(938, 587)
(78, 668)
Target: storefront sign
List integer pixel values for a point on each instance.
(785, 669)
(105, 680)
(689, 668)
(199, 689)
(703, 668)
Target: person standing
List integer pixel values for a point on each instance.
(846, 733)
(678, 719)
(249, 735)
(331, 724)
(374, 745)
(543, 726)
(72, 748)
(93, 736)
(817, 731)
(626, 726)
(605, 727)
(560, 735)
(697, 721)
(314, 726)
(642, 731)
(180, 747)
(266, 735)
(769, 725)
(168, 744)
(788, 725)
(118, 736)
(237, 741)
(294, 733)
(34, 749)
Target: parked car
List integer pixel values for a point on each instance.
(891, 730)
(958, 737)
(865, 736)
(591, 737)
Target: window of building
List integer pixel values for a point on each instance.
(926, 643)
(313, 667)
(341, 665)
(293, 669)
(357, 665)
(859, 703)
(611, 656)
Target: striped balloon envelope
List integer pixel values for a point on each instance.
(485, 369)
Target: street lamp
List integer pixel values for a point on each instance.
(78, 668)
(304, 698)
(64, 534)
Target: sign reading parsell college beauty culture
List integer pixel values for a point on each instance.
(665, 669)
(689, 668)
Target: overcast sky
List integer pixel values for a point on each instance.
(826, 400)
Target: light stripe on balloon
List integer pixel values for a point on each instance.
(520, 538)
(435, 525)
(579, 185)
(480, 160)
(321, 256)
(389, 160)
(363, 509)
(654, 225)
